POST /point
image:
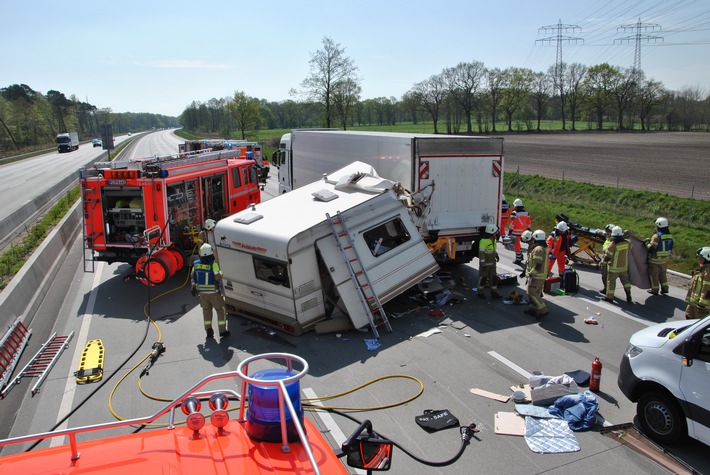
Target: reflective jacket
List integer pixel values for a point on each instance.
(699, 288)
(487, 252)
(537, 263)
(659, 248)
(205, 276)
(519, 222)
(617, 256)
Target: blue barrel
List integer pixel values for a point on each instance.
(263, 423)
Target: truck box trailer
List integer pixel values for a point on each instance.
(460, 177)
(342, 245)
(67, 142)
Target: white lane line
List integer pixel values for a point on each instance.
(510, 364)
(82, 338)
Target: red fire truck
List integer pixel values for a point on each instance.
(251, 149)
(148, 212)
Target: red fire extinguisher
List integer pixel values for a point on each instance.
(596, 377)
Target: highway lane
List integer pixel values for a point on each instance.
(482, 344)
(22, 181)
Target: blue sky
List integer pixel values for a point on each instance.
(158, 57)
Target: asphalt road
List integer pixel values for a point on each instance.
(480, 344)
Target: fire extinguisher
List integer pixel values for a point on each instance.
(596, 377)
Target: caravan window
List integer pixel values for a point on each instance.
(386, 236)
(271, 271)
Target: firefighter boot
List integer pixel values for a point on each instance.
(518, 258)
(628, 296)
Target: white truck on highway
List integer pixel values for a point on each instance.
(459, 177)
(67, 142)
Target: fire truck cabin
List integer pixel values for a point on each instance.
(152, 209)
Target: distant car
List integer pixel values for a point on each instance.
(96, 142)
(129, 134)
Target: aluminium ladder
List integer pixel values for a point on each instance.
(42, 362)
(366, 293)
(12, 345)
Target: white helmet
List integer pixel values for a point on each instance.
(617, 231)
(518, 202)
(562, 226)
(609, 227)
(526, 236)
(205, 250)
(539, 235)
(704, 252)
(491, 228)
(662, 222)
(210, 224)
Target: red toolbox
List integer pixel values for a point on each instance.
(551, 280)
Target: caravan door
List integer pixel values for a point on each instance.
(388, 250)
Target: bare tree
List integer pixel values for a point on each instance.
(329, 66)
(432, 93)
(574, 75)
(540, 93)
(623, 91)
(557, 73)
(494, 93)
(648, 97)
(463, 82)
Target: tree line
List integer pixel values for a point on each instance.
(30, 119)
(466, 98)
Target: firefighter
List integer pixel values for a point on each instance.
(617, 260)
(505, 211)
(559, 245)
(536, 272)
(207, 236)
(519, 222)
(526, 237)
(698, 297)
(206, 279)
(488, 257)
(659, 248)
(603, 265)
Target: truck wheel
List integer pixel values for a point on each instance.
(661, 418)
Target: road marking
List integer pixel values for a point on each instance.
(510, 364)
(82, 338)
(328, 421)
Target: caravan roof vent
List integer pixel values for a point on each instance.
(324, 195)
(247, 217)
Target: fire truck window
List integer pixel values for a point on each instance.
(214, 198)
(246, 175)
(386, 236)
(236, 178)
(271, 271)
(252, 175)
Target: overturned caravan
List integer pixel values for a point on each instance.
(341, 246)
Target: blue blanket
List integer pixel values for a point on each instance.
(579, 410)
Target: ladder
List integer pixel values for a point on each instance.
(368, 298)
(42, 362)
(88, 201)
(11, 347)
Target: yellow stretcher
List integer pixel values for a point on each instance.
(91, 364)
(583, 249)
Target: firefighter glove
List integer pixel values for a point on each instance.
(497, 258)
(551, 256)
(193, 291)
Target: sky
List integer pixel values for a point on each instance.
(158, 57)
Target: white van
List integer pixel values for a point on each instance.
(666, 369)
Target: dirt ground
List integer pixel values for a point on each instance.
(676, 163)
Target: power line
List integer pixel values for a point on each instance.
(560, 39)
(638, 38)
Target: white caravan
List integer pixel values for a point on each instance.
(343, 245)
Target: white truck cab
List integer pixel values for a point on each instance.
(666, 369)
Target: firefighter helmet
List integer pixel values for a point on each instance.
(205, 250)
(518, 202)
(539, 235)
(609, 227)
(661, 222)
(526, 236)
(562, 227)
(617, 231)
(210, 224)
(491, 228)
(704, 252)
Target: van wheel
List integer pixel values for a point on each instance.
(661, 418)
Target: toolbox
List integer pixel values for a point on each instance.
(548, 284)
